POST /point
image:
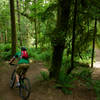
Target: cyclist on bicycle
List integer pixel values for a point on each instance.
(23, 63)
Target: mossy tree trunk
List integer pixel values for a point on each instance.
(18, 14)
(58, 37)
(35, 25)
(73, 38)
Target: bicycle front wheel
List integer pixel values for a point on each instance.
(12, 79)
(25, 88)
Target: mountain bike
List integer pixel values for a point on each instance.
(24, 88)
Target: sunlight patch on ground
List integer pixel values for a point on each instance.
(44, 69)
(97, 64)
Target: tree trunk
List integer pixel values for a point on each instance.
(18, 8)
(1, 37)
(13, 27)
(73, 39)
(56, 61)
(35, 24)
(94, 37)
(6, 36)
(58, 37)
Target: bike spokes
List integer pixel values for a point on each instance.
(24, 90)
(12, 80)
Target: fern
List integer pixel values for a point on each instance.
(65, 83)
(44, 75)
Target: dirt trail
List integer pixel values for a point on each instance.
(5, 71)
(43, 90)
(96, 73)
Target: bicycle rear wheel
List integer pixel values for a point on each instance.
(12, 79)
(25, 88)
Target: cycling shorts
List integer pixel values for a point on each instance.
(22, 68)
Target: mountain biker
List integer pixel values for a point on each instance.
(23, 63)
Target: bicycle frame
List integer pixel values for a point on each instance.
(23, 87)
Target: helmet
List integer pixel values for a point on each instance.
(23, 48)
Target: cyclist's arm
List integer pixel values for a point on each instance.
(12, 59)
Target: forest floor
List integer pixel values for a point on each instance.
(43, 90)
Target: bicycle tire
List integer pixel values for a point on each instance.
(12, 79)
(25, 88)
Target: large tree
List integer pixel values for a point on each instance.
(73, 38)
(19, 28)
(58, 36)
(13, 27)
(94, 38)
(35, 23)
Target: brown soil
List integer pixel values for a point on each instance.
(40, 90)
(43, 90)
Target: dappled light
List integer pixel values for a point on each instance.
(97, 58)
(44, 69)
(30, 60)
(97, 64)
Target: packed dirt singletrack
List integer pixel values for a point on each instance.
(43, 90)
(6, 93)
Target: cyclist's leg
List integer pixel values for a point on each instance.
(17, 77)
(17, 80)
(22, 69)
(18, 71)
(25, 68)
(24, 89)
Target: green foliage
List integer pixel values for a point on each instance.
(97, 88)
(65, 82)
(5, 47)
(78, 62)
(85, 76)
(48, 13)
(66, 63)
(4, 17)
(46, 56)
(45, 75)
(6, 55)
(39, 54)
(95, 85)
(5, 51)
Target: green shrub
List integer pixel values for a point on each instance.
(45, 56)
(96, 86)
(89, 82)
(6, 55)
(45, 75)
(38, 54)
(65, 82)
(85, 74)
(5, 47)
(5, 51)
